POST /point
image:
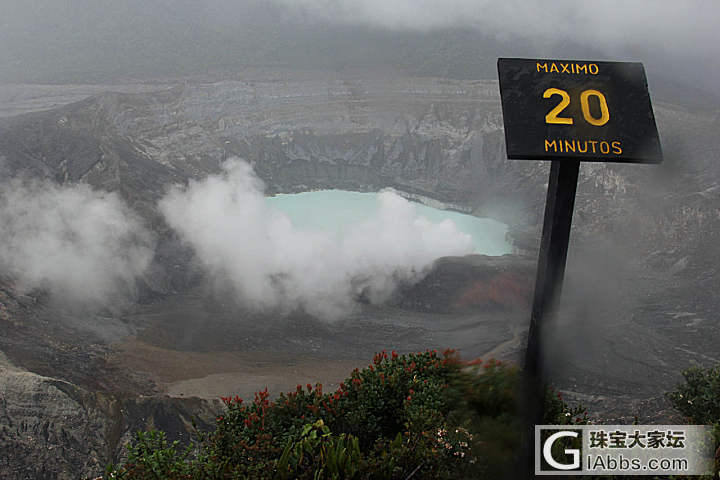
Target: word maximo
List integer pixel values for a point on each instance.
(576, 68)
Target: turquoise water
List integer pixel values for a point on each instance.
(335, 210)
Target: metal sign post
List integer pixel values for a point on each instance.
(548, 287)
(568, 111)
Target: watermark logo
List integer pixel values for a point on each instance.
(624, 449)
(550, 463)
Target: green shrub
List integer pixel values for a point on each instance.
(699, 397)
(320, 453)
(557, 412)
(699, 400)
(424, 415)
(150, 456)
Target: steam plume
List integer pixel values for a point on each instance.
(81, 244)
(270, 263)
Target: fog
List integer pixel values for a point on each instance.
(81, 245)
(675, 25)
(100, 40)
(239, 238)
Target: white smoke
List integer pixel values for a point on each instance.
(270, 263)
(81, 244)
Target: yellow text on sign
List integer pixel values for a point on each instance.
(552, 116)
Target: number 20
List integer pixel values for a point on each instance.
(552, 116)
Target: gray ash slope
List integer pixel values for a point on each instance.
(640, 296)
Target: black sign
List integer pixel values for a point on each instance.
(580, 110)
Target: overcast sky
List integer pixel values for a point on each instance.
(688, 29)
(66, 39)
(607, 21)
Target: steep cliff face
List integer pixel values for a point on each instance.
(438, 138)
(52, 428)
(65, 411)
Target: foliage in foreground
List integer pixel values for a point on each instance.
(698, 398)
(425, 415)
(405, 416)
